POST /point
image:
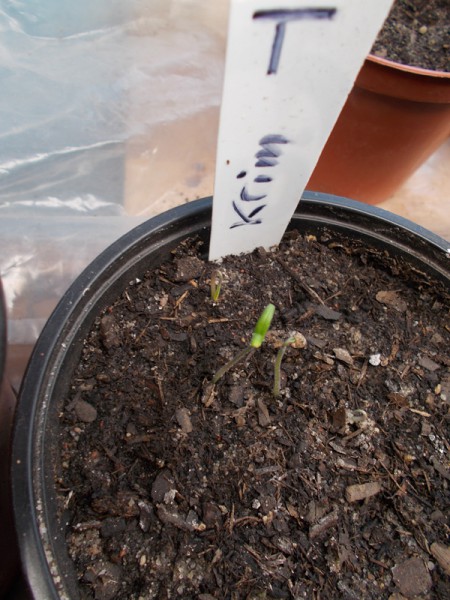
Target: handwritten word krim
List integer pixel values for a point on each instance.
(266, 157)
(251, 203)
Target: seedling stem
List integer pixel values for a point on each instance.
(259, 333)
(277, 368)
(216, 285)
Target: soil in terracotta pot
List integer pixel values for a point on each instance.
(173, 488)
(417, 33)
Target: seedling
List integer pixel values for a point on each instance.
(259, 333)
(296, 340)
(216, 285)
(277, 367)
(262, 326)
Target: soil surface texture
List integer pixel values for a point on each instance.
(338, 488)
(417, 33)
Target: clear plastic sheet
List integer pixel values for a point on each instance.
(108, 113)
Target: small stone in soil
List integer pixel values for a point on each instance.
(263, 414)
(315, 342)
(356, 492)
(85, 411)
(428, 364)
(437, 515)
(236, 395)
(327, 313)
(375, 360)
(109, 332)
(184, 420)
(162, 485)
(170, 516)
(145, 515)
(339, 418)
(412, 577)
(208, 395)
(212, 515)
(188, 268)
(392, 299)
(343, 355)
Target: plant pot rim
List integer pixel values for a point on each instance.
(408, 68)
(404, 82)
(29, 478)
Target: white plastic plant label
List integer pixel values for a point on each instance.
(289, 69)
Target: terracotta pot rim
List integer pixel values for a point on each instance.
(404, 82)
(408, 68)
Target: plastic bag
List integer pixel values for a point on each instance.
(108, 114)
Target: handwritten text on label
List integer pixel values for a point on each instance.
(266, 158)
(283, 16)
(269, 153)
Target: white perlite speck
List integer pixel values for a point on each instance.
(375, 360)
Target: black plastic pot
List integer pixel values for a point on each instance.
(8, 548)
(41, 536)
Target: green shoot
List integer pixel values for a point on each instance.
(216, 285)
(297, 341)
(259, 333)
(262, 326)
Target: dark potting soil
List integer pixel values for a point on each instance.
(338, 488)
(417, 33)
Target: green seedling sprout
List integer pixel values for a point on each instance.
(216, 285)
(259, 333)
(297, 341)
(262, 326)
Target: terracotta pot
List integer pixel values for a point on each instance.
(8, 546)
(395, 117)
